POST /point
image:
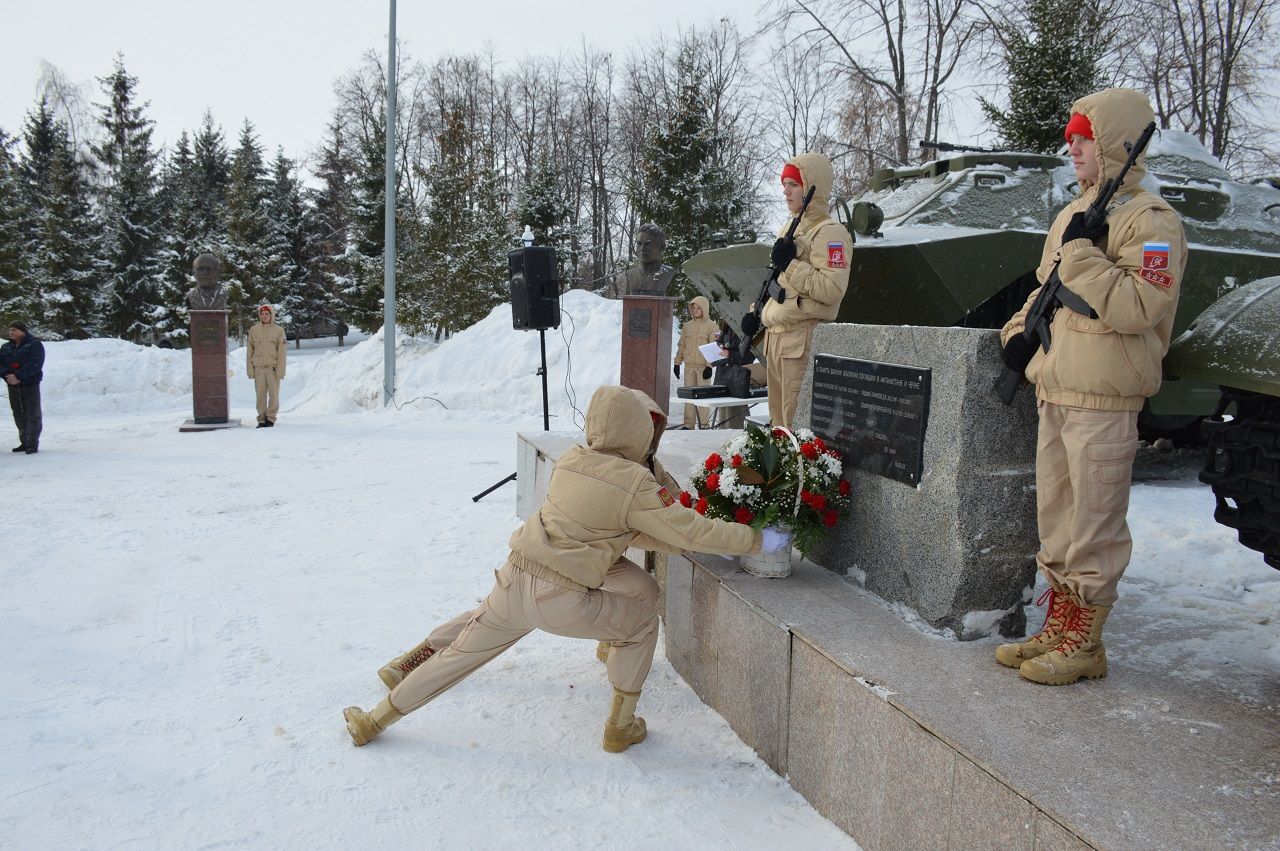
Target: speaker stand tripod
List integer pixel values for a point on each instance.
(546, 414)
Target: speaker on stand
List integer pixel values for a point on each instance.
(535, 306)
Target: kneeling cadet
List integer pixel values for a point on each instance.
(566, 575)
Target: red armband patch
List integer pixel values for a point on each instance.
(1160, 279)
(835, 255)
(667, 499)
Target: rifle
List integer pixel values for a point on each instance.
(1054, 294)
(770, 289)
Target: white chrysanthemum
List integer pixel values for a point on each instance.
(735, 446)
(832, 465)
(804, 434)
(728, 480)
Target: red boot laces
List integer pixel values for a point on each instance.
(1058, 614)
(1077, 630)
(415, 659)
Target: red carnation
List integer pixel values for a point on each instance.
(808, 450)
(820, 443)
(779, 433)
(714, 461)
(713, 482)
(844, 488)
(835, 453)
(701, 507)
(818, 501)
(829, 519)
(686, 499)
(735, 461)
(743, 515)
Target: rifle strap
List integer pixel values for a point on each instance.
(1067, 298)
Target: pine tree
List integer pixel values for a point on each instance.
(683, 187)
(290, 247)
(182, 208)
(1051, 55)
(246, 269)
(127, 201)
(330, 226)
(15, 292)
(361, 296)
(212, 178)
(544, 209)
(463, 246)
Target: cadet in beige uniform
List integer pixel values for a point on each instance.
(698, 330)
(1092, 383)
(565, 574)
(264, 360)
(815, 274)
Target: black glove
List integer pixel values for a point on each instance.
(676, 370)
(1017, 353)
(750, 324)
(784, 251)
(706, 373)
(1076, 229)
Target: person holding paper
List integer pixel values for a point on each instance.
(698, 330)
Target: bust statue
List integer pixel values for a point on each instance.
(208, 293)
(650, 276)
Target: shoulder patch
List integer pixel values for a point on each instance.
(1160, 279)
(835, 255)
(1155, 255)
(665, 495)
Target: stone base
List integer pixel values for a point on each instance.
(905, 740)
(192, 425)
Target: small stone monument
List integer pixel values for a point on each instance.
(943, 511)
(646, 318)
(207, 302)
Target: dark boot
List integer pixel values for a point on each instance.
(270, 423)
(21, 447)
(262, 424)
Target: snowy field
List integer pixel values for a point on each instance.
(185, 616)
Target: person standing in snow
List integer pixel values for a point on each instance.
(22, 368)
(565, 573)
(698, 330)
(814, 271)
(1090, 385)
(264, 360)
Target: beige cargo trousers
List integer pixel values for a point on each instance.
(786, 358)
(622, 611)
(266, 383)
(1084, 464)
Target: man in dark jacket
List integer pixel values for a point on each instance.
(21, 367)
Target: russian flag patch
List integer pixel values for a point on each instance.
(835, 255)
(1155, 256)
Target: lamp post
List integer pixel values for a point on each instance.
(389, 228)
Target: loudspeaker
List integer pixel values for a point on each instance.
(535, 289)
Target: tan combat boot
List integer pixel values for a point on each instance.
(624, 728)
(1080, 655)
(400, 667)
(1055, 623)
(364, 727)
(602, 651)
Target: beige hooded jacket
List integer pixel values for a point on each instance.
(816, 280)
(602, 499)
(694, 333)
(1131, 278)
(266, 346)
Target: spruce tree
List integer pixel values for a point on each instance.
(1052, 53)
(330, 226)
(62, 236)
(544, 209)
(683, 187)
(290, 248)
(212, 167)
(246, 269)
(182, 209)
(361, 296)
(15, 292)
(129, 211)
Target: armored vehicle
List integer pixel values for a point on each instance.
(950, 242)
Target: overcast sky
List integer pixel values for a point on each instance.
(275, 61)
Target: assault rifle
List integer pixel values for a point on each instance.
(1054, 294)
(770, 289)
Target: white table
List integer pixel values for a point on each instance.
(715, 403)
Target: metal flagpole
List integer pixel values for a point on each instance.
(389, 228)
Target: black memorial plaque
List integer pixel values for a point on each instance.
(874, 413)
(640, 322)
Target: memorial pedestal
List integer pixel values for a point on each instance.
(210, 398)
(646, 345)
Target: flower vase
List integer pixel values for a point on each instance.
(772, 565)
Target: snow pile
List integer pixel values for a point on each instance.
(1182, 153)
(488, 368)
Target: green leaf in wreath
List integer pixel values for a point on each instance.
(771, 459)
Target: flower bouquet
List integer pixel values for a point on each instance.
(791, 481)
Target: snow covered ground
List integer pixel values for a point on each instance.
(184, 617)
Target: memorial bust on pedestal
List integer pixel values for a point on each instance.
(208, 293)
(650, 276)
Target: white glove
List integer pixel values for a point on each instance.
(774, 541)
